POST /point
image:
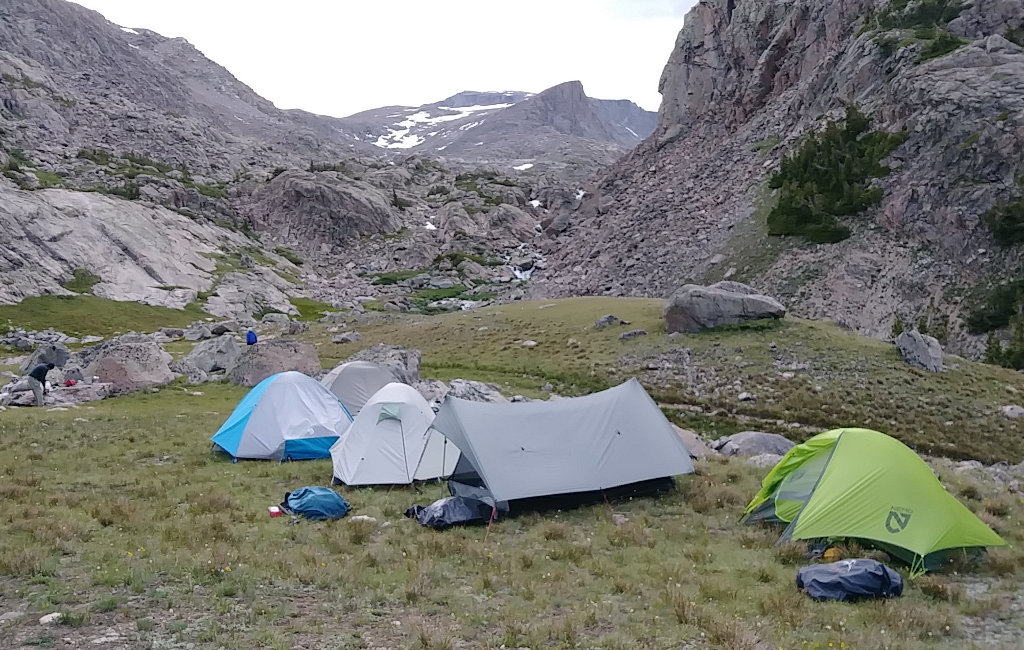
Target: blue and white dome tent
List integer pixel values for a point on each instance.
(287, 416)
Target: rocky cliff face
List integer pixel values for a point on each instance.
(745, 82)
(133, 251)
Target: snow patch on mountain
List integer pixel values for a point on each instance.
(412, 131)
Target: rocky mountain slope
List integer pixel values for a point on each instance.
(132, 161)
(745, 84)
(559, 122)
(81, 81)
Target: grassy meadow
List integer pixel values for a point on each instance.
(118, 515)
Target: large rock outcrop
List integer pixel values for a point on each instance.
(139, 252)
(240, 295)
(475, 391)
(752, 443)
(129, 362)
(257, 362)
(55, 353)
(403, 363)
(321, 208)
(694, 308)
(214, 355)
(920, 350)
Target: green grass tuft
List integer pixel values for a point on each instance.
(394, 277)
(212, 191)
(82, 314)
(82, 281)
(48, 179)
(309, 309)
(289, 255)
(942, 44)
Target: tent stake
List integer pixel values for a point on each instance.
(490, 521)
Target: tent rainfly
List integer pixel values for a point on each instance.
(287, 416)
(862, 484)
(390, 442)
(580, 449)
(355, 382)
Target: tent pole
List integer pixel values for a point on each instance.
(608, 503)
(405, 455)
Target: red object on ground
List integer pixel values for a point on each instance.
(274, 511)
(70, 382)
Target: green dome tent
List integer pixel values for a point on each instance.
(862, 484)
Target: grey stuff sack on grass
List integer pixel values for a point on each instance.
(453, 511)
(849, 580)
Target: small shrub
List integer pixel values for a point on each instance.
(212, 191)
(897, 326)
(555, 531)
(399, 202)
(941, 45)
(887, 45)
(76, 619)
(906, 14)
(82, 281)
(48, 179)
(1015, 36)
(227, 590)
(25, 562)
(394, 277)
(143, 160)
(999, 506)
(765, 146)
(1012, 354)
(107, 604)
(970, 492)
(18, 156)
(998, 307)
(128, 191)
(940, 588)
(99, 156)
(993, 350)
(289, 255)
(791, 553)
(359, 532)
(1006, 221)
(327, 167)
(1003, 562)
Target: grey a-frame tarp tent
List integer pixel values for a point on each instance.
(517, 451)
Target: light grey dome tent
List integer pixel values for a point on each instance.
(391, 442)
(522, 456)
(355, 382)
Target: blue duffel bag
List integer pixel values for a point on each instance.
(316, 503)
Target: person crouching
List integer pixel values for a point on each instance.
(37, 381)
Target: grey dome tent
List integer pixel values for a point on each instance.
(538, 454)
(355, 382)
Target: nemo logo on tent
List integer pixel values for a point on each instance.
(897, 520)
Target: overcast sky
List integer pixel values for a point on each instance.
(338, 57)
